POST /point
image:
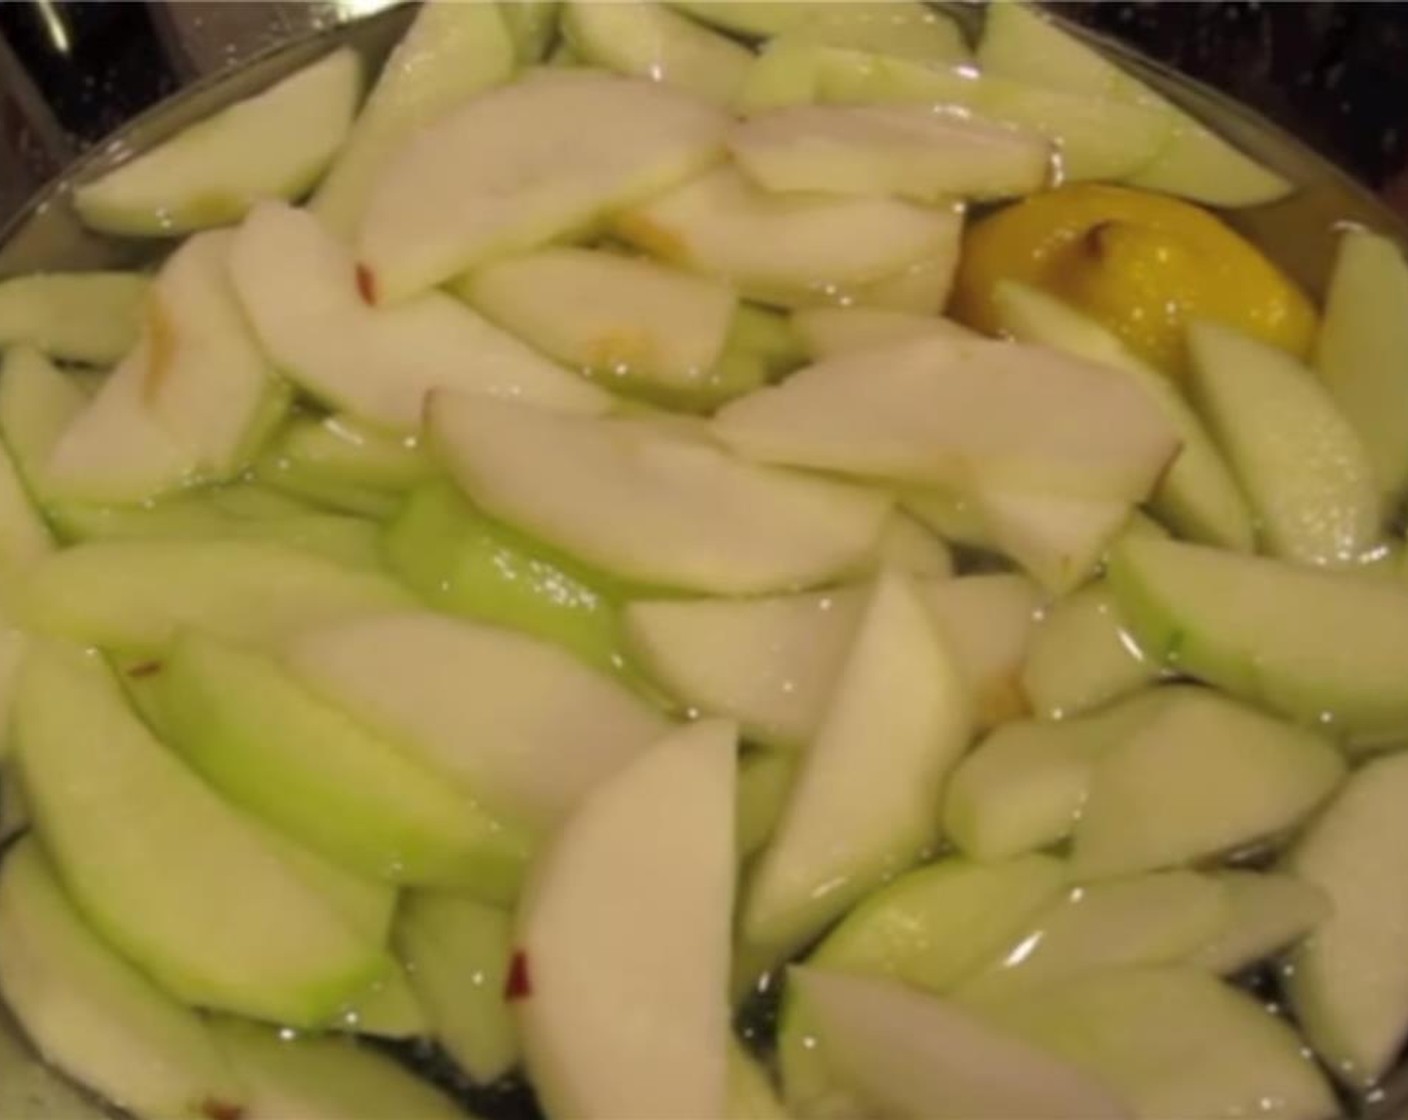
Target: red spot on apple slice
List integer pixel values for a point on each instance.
(220, 1110)
(518, 985)
(366, 285)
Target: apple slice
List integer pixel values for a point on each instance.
(532, 27)
(520, 166)
(648, 40)
(626, 320)
(531, 738)
(955, 412)
(272, 145)
(457, 952)
(324, 1078)
(91, 1014)
(1172, 1041)
(1082, 657)
(649, 506)
(897, 720)
(909, 546)
(900, 150)
(301, 290)
(200, 928)
(1058, 540)
(37, 402)
(340, 450)
(1362, 349)
(25, 538)
(829, 331)
(135, 596)
(1301, 463)
(1266, 912)
(764, 783)
(613, 1026)
(451, 52)
(907, 1055)
(1319, 647)
(307, 768)
(1197, 495)
(77, 316)
(1348, 982)
(901, 28)
(387, 1009)
(787, 249)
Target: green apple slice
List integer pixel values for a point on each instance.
(954, 516)
(628, 321)
(1172, 1041)
(388, 1009)
(1362, 349)
(305, 298)
(829, 331)
(533, 735)
(651, 507)
(647, 40)
(764, 783)
(344, 451)
(1197, 495)
(451, 52)
(623, 947)
(1082, 657)
(787, 249)
(903, 1054)
(200, 928)
(1266, 912)
(273, 145)
(328, 1078)
(1319, 647)
(521, 166)
(901, 28)
(37, 403)
(899, 150)
(961, 413)
(532, 26)
(271, 747)
(288, 477)
(135, 596)
(457, 953)
(76, 316)
(786, 72)
(93, 1015)
(25, 539)
(1301, 463)
(1058, 540)
(1020, 43)
(897, 720)
(1348, 982)
(463, 563)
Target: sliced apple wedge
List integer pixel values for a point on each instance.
(909, 546)
(900, 150)
(451, 52)
(533, 27)
(613, 1026)
(301, 290)
(1320, 647)
(650, 506)
(647, 40)
(273, 145)
(1057, 540)
(959, 412)
(787, 249)
(38, 402)
(829, 331)
(339, 450)
(77, 316)
(201, 927)
(1266, 912)
(518, 167)
(531, 738)
(90, 1013)
(624, 319)
(896, 722)
(912, 1056)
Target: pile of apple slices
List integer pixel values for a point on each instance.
(566, 580)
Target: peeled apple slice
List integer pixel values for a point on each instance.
(273, 145)
(309, 304)
(1057, 540)
(517, 167)
(787, 249)
(37, 403)
(908, 1055)
(961, 413)
(829, 331)
(1266, 912)
(77, 316)
(907, 151)
(1319, 647)
(90, 1013)
(622, 949)
(649, 506)
(451, 52)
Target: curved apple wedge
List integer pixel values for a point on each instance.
(273, 145)
(914, 1057)
(651, 507)
(621, 972)
(308, 302)
(79, 316)
(520, 166)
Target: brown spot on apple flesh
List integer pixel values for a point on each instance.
(518, 985)
(366, 285)
(221, 1110)
(145, 669)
